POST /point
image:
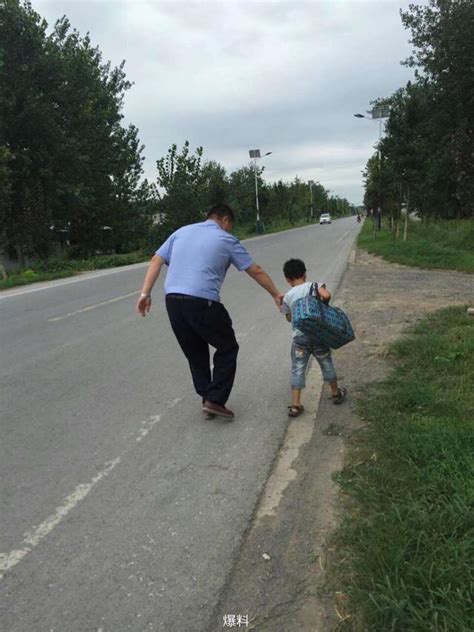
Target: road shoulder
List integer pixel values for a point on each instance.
(279, 579)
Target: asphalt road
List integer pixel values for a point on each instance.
(122, 509)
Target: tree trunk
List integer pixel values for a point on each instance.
(405, 228)
(21, 256)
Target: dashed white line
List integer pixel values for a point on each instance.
(147, 426)
(342, 236)
(35, 536)
(32, 539)
(89, 307)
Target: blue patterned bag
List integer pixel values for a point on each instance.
(326, 325)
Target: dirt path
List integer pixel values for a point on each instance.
(278, 580)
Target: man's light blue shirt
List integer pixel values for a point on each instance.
(198, 257)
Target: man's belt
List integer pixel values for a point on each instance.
(184, 297)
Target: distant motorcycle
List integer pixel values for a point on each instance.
(359, 219)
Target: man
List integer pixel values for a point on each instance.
(198, 257)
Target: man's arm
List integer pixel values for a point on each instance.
(259, 275)
(153, 272)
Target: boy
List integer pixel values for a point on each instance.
(303, 347)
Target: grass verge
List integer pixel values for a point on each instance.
(277, 226)
(444, 244)
(406, 545)
(59, 268)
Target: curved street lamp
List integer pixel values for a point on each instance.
(378, 112)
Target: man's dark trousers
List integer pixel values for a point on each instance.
(198, 323)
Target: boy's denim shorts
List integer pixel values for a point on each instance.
(301, 351)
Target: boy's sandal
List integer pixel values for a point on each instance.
(295, 411)
(341, 396)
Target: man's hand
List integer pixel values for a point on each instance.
(278, 301)
(144, 305)
(144, 300)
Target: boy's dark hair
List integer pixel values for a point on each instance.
(294, 269)
(221, 211)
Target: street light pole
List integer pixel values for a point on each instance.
(256, 193)
(378, 112)
(255, 153)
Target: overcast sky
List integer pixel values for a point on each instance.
(284, 77)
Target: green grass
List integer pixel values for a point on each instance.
(58, 268)
(406, 545)
(443, 244)
(277, 226)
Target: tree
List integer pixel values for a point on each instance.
(216, 184)
(181, 186)
(242, 194)
(24, 119)
(281, 200)
(72, 165)
(443, 59)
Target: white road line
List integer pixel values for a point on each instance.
(32, 539)
(342, 236)
(297, 436)
(147, 426)
(84, 277)
(87, 309)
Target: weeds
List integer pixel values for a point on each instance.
(444, 244)
(407, 545)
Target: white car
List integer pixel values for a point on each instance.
(325, 218)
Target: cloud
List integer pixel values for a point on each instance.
(282, 76)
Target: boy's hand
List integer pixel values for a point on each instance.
(323, 293)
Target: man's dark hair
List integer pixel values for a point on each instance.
(294, 269)
(221, 211)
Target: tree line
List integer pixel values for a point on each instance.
(425, 160)
(189, 185)
(71, 172)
